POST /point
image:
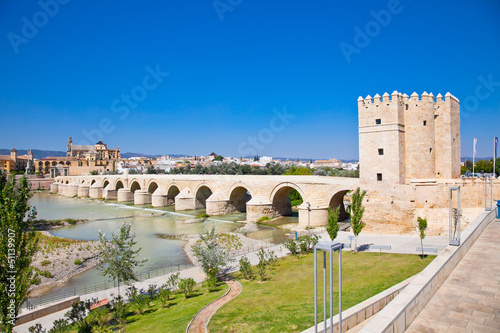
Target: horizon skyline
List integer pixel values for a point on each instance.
(193, 77)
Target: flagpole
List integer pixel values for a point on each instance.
(473, 156)
(494, 156)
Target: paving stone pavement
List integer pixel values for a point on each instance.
(469, 300)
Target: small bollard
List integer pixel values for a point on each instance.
(498, 209)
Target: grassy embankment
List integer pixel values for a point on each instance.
(285, 301)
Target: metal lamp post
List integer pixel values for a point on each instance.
(330, 247)
(308, 217)
(486, 192)
(455, 215)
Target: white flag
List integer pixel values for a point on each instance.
(475, 141)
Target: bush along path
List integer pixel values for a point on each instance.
(201, 319)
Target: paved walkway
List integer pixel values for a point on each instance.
(200, 321)
(398, 243)
(469, 300)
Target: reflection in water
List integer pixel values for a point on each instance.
(107, 217)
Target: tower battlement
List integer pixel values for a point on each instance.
(405, 137)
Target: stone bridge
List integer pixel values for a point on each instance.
(225, 194)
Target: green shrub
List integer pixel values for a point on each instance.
(77, 262)
(264, 218)
(292, 246)
(186, 286)
(46, 274)
(45, 262)
(245, 267)
(204, 215)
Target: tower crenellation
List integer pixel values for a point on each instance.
(404, 138)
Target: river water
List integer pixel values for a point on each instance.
(108, 216)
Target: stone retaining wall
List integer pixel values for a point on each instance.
(358, 313)
(44, 311)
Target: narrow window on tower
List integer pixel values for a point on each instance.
(430, 150)
(381, 151)
(425, 122)
(378, 121)
(379, 177)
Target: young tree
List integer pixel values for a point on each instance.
(333, 223)
(422, 225)
(357, 210)
(211, 252)
(119, 256)
(18, 246)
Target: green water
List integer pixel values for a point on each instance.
(107, 217)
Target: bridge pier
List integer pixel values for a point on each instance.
(317, 217)
(259, 207)
(61, 190)
(95, 192)
(185, 200)
(185, 203)
(142, 197)
(83, 191)
(54, 188)
(219, 207)
(72, 190)
(159, 198)
(124, 195)
(110, 194)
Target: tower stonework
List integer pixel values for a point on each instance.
(404, 138)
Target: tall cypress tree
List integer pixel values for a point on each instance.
(17, 249)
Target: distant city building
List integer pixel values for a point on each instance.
(80, 159)
(332, 163)
(14, 163)
(405, 138)
(97, 152)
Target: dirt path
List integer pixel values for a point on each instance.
(200, 321)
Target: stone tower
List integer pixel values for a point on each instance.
(68, 150)
(13, 155)
(404, 138)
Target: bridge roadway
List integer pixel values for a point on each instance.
(220, 194)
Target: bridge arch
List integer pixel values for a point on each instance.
(239, 195)
(152, 186)
(337, 200)
(172, 192)
(119, 185)
(134, 186)
(202, 193)
(280, 200)
(92, 182)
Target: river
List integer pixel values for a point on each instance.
(108, 216)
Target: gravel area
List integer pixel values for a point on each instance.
(59, 259)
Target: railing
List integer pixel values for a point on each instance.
(52, 297)
(87, 289)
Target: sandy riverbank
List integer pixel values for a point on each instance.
(59, 259)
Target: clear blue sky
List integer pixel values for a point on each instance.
(229, 67)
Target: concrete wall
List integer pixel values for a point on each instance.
(362, 311)
(44, 311)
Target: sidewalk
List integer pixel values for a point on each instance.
(469, 300)
(399, 244)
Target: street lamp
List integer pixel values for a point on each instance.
(308, 217)
(327, 247)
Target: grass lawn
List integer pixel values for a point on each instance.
(285, 302)
(175, 317)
